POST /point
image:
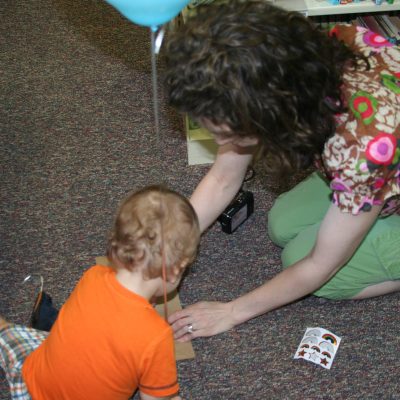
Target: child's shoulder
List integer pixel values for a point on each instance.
(99, 269)
(97, 273)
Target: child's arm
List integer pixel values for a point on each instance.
(158, 374)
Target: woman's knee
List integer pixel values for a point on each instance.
(292, 253)
(297, 209)
(282, 226)
(301, 245)
(277, 226)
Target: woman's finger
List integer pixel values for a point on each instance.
(177, 315)
(182, 327)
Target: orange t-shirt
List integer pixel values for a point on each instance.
(107, 342)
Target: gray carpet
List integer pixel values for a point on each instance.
(77, 134)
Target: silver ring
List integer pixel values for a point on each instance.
(190, 328)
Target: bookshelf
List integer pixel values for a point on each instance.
(200, 144)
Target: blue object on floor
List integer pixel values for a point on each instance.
(44, 313)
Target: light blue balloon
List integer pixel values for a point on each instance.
(150, 13)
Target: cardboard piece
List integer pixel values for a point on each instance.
(183, 351)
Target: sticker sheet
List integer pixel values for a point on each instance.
(318, 346)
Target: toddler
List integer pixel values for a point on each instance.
(108, 340)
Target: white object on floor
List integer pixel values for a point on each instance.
(318, 346)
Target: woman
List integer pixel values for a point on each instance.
(265, 80)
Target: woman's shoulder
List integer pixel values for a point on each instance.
(362, 39)
(382, 76)
(363, 165)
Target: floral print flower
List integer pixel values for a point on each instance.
(396, 158)
(338, 185)
(379, 182)
(381, 149)
(366, 206)
(361, 161)
(334, 31)
(364, 106)
(392, 82)
(367, 202)
(362, 166)
(374, 40)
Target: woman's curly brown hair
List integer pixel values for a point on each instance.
(152, 221)
(264, 72)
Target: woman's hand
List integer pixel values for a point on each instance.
(222, 182)
(339, 236)
(206, 318)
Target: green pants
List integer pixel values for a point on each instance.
(293, 223)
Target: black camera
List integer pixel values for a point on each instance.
(240, 209)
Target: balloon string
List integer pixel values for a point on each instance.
(163, 261)
(164, 276)
(156, 41)
(154, 81)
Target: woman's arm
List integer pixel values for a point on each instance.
(338, 238)
(221, 183)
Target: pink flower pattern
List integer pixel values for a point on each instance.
(381, 149)
(362, 159)
(374, 40)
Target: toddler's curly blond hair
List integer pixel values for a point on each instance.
(151, 220)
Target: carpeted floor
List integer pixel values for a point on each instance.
(77, 134)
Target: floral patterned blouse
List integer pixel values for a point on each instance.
(362, 159)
